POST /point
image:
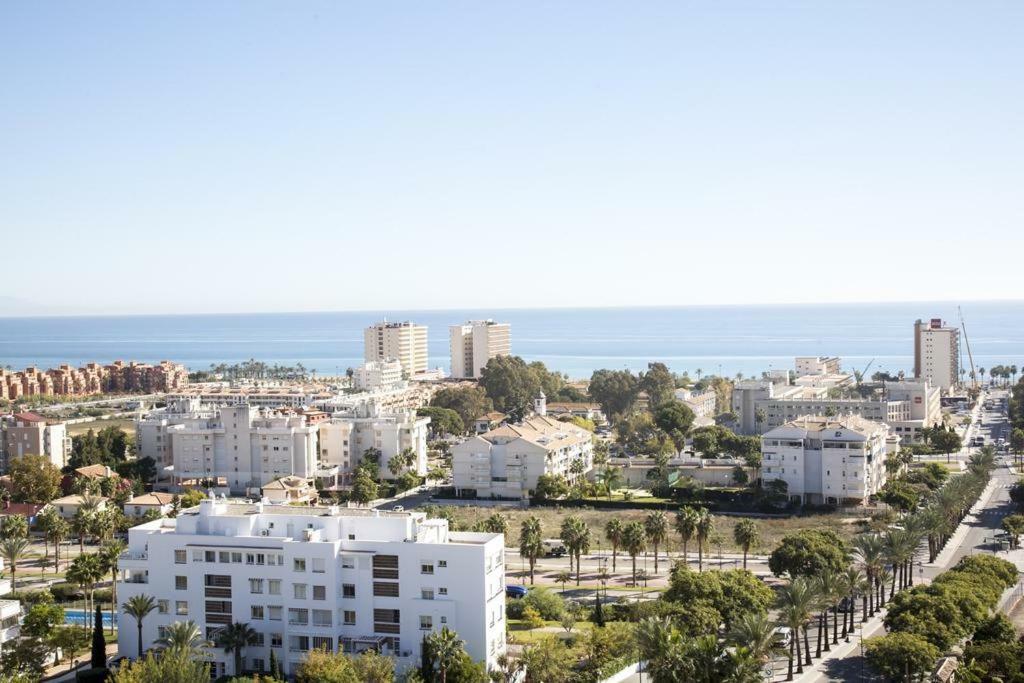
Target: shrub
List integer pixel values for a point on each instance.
(547, 604)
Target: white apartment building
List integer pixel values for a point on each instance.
(152, 439)
(243, 448)
(405, 341)
(907, 408)
(818, 365)
(937, 353)
(30, 434)
(348, 435)
(505, 462)
(378, 374)
(315, 577)
(826, 460)
(10, 614)
(702, 403)
(475, 343)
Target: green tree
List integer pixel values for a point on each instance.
(110, 555)
(675, 419)
(576, 536)
(469, 402)
(34, 479)
(446, 648)
(322, 666)
(746, 534)
(184, 636)
(364, 488)
(901, 656)
(531, 541)
(510, 384)
(808, 552)
(634, 542)
(658, 383)
(686, 526)
(547, 660)
(551, 486)
(613, 533)
(656, 527)
(372, 667)
(496, 523)
(13, 526)
(615, 390)
(99, 643)
(139, 607)
(705, 527)
(13, 550)
(233, 639)
(443, 421)
(610, 478)
(946, 441)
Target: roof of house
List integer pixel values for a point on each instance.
(540, 430)
(154, 498)
(573, 405)
(29, 417)
(73, 499)
(95, 472)
(287, 484)
(27, 509)
(822, 423)
(493, 416)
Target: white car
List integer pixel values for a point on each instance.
(783, 635)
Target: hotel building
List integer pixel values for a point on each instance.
(475, 343)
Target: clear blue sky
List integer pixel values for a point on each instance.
(268, 156)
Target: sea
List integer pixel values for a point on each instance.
(726, 340)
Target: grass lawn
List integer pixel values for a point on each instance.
(772, 530)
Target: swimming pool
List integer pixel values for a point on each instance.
(78, 617)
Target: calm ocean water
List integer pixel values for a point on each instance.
(729, 339)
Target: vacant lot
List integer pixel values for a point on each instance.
(126, 425)
(772, 530)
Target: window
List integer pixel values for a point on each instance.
(322, 617)
(236, 557)
(323, 643)
(181, 608)
(257, 664)
(162, 606)
(348, 590)
(256, 611)
(210, 556)
(299, 564)
(274, 586)
(426, 623)
(180, 557)
(385, 589)
(427, 594)
(298, 643)
(442, 591)
(442, 563)
(349, 617)
(319, 592)
(255, 585)
(181, 583)
(275, 640)
(348, 562)
(319, 565)
(298, 617)
(299, 591)
(426, 569)
(224, 557)
(274, 612)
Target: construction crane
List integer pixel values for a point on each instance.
(864, 372)
(970, 356)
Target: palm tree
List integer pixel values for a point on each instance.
(796, 600)
(186, 637)
(610, 478)
(80, 523)
(13, 549)
(746, 535)
(705, 526)
(634, 541)
(686, 527)
(110, 553)
(829, 587)
(234, 638)
(579, 542)
(139, 607)
(56, 534)
(446, 647)
(85, 571)
(531, 541)
(656, 527)
(868, 548)
(613, 532)
(854, 585)
(884, 576)
(756, 632)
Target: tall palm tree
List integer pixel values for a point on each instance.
(868, 548)
(686, 527)
(634, 542)
(705, 527)
(576, 536)
(610, 478)
(884, 576)
(613, 532)
(233, 639)
(756, 632)
(746, 535)
(446, 647)
(184, 636)
(110, 554)
(854, 585)
(531, 541)
(138, 607)
(656, 527)
(57, 533)
(830, 590)
(796, 601)
(86, 570)
(14, 549)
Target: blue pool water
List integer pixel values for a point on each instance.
(77, 617)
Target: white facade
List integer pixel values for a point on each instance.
(347, 436)
(243, 449)
(826, 460)
(404, 341)
(378, 374)
(475, 343)
(817, 365)
(937, 353)
(506, 462)
(702, 403)
(309, 577)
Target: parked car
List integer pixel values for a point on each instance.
(783, 635)
(515, 592)
(554, 547)
(398, 508)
